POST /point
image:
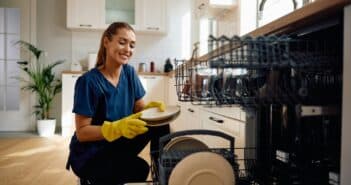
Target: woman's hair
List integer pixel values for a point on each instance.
(109, 33)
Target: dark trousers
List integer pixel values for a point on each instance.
(118, 162)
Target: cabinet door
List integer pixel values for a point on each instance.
(119, 11)
(171, 98)
(154, 87)
(85, 14)
(152, 16)
(67, 119)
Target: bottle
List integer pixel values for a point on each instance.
(168, 66)
(152, 66)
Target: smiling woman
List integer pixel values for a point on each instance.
(107, 103)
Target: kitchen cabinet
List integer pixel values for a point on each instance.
(151, 16)
(244, 134)
(119, 11)
(67, 117)
(189, 119)
(145, 16)
(155, 87)
(85, 14)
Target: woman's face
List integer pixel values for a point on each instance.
(120, 49)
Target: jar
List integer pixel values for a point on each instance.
(142, 67)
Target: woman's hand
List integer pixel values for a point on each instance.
(159, 104)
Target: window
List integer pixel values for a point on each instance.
(207, 27)
(9, 55)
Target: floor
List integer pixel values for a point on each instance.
(26, 159)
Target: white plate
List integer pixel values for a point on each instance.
(162, 122)
(153, 114)
(202, 168)
(185, 143)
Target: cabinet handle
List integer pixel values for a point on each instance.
(85, 25)
(75, 76)
(152, 28)
(149, 77)
(216, 120)
(190, 110)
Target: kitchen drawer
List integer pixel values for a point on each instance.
(231, 112)
(232, 127)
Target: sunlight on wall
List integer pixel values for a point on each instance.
(186, 35)
(204, 33)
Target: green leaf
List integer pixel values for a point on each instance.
(41, 80)
(35, 51)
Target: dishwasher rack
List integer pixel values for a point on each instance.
(260, 71)
(248, 169)
(163, 164)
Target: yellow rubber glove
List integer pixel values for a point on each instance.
(159, 104)
(128, 127)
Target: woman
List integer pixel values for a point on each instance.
(108, 135)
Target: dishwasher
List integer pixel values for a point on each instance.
(292, 85)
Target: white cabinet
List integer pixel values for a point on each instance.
(243, 133)
(119, 11)
(171, 93)
(67, 117)
(188, 119)
(154, 86)
(146, 16)
(85, 14)
(151, 16)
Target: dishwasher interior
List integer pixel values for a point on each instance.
(292, 86)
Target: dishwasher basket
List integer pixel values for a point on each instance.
(162, 166)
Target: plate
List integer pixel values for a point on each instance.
(153, 114)
(185, 143)
(162, 122)
(202, 168)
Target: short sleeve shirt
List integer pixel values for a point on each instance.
(97, 98)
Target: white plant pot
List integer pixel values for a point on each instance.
(46, 128)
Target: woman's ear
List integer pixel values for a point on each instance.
(106, 41)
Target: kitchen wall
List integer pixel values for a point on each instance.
(62, 43)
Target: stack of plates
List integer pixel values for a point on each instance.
(154, 117)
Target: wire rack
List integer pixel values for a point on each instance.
(268, 169)
(164, 162)
(263, 70)
(268, 52)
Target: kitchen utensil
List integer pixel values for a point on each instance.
(153, 114)
(202, 168)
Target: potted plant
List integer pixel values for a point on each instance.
(43, 83)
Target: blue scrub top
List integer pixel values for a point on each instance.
(97, 98)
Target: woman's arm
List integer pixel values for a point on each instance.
(85, 131)
(139, 105)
